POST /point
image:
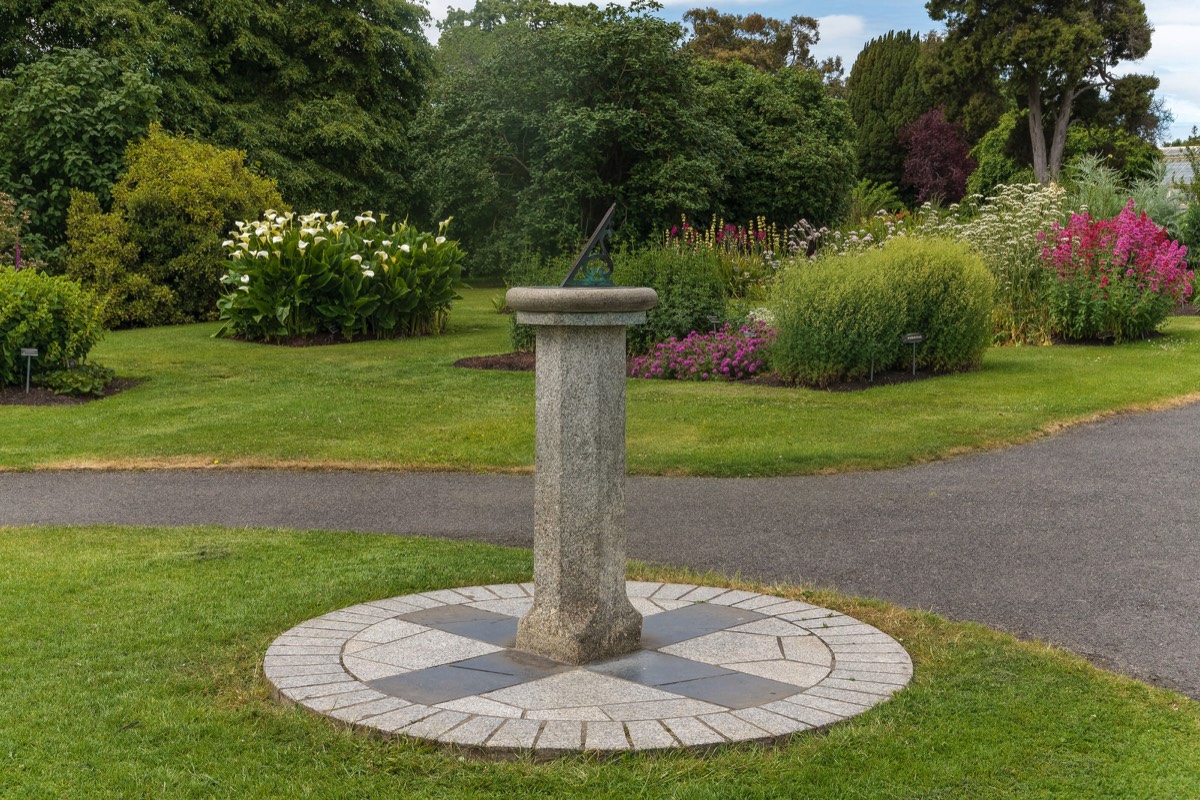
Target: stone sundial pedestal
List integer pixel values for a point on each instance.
(580, 610)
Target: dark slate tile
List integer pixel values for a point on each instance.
(735, 690)
(698, 619)
(474, 623)
(442, 683)
(526, 666)
(652, 668)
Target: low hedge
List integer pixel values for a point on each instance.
(57, 317)
(841, 315)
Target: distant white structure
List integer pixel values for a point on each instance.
(1179, 169)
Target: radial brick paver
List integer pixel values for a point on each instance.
(717, 667)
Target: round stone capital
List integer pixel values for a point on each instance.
(581, 300)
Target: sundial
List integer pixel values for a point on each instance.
(594, 267)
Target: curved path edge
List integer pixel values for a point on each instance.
(1089, 539)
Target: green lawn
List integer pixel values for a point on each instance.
(400, 404)
(132, 670)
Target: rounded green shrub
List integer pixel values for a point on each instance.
(52, 314)
(840, 316)
(691, 294)
(156, 257)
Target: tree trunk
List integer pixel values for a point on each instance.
(1059, 143)
(1037, 134)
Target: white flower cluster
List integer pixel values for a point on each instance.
(288, 235)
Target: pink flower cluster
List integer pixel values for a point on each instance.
(727, 354)
(1129, 249)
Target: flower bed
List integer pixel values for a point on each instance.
(726, 354)
(1116, 278)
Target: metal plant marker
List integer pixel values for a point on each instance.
(580, 611)
(914, 339)
(30, 353)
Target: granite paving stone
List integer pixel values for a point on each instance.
(769, 721)
(389, 630)
(691, 732)
(506, 590)
(561, 734)
(474, 731)
(845, 695)
(874, 666)
(393, 605)
(271, 660)
(474, 704)
(391, 721)
(332, 702)
(605, 736)
(512, 606)
(575, 713)
(731, 727)
(435, 724)
(641, 588)
(716, 666)
(839, 707)
(732, 596)
(427, 649)
(809, 650)
(359, 711)
(771, 626)
(659, 709)
(579, 687)
(516, 733)
(703, 593)
(793, 672)
(874, 677)
(366, 670)
(867, 687)
(312, 692)
(806, 714)
(672, 591)
(726, 646)
(649, 734)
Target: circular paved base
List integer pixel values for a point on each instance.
(716, 666)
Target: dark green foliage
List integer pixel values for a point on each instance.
(52, 314)
(101, 256)
(885, 92)
(319, 93)
(796, 155)
(64, 122)
(867, 198)
(838, 316)
(690, 289)
(539, 121)
(1118, 149)
(1047, 54)
(156, 257)
(81, 379)
(994, 157)
(544, 115)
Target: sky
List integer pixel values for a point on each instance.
(846, 25)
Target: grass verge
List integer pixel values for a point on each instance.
(402, 405)
(132, 669)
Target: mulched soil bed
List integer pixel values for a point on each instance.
(15, 396)
(524, 362)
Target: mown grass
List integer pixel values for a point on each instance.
(132, 669)
(401, 404)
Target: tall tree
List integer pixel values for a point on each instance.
(885, 92)
(319, 93)
(1048, 52)
(766, 43)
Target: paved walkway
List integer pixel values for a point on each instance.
(1089, 539)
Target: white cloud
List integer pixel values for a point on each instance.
(841, 35)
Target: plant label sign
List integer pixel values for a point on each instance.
(29, 352)
(914, 338)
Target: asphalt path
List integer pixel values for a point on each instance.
(1089, 539)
